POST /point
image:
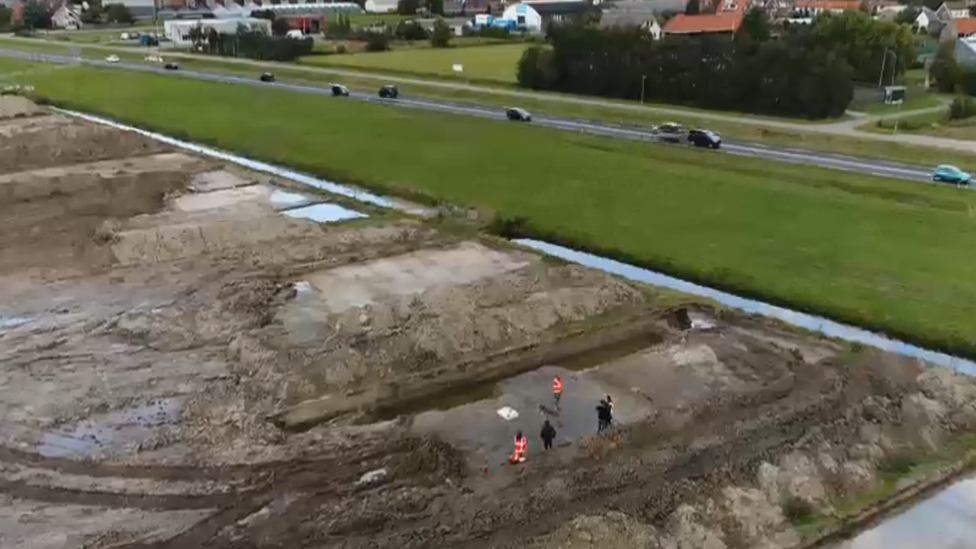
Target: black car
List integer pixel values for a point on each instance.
(171, 66)
(704, 138)
(267, 77)
(389, 92)
(518, 115)
(339, 90)
(670, 133)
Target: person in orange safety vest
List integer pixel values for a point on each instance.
(557, 390)
(521, 449)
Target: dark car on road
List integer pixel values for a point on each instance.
(518, 115)
(389, 92)
(704, 138)
(338, 90)
(171, 66)
(267, 77)
(670, 132)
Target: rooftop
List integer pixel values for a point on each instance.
(699, 24)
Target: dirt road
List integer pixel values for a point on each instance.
(194, 355)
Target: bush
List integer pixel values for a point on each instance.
(797, 510)
(897, 465)
(962, 107)
(441, 37)
(341, 48)
(377, 41)
(410, 30)
(490, 32)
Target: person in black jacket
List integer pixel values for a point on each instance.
(603, 416)
(548, 433)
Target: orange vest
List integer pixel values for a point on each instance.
(521, 447)
(557, 386)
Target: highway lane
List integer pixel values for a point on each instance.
(788, 155)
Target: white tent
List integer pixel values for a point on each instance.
(524, 16)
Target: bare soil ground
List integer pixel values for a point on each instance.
(187, 360)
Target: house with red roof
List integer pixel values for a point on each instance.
(958, 28)
(717, 23)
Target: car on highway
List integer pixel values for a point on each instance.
(338, 90)
(267, 77)
(389, 91)
(112, 59)
(705, 138)
(517, 114)
(951, 174)
(171, 67)
(670, 132)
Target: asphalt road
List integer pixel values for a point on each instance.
(788, 155)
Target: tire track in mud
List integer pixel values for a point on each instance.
(27, 491)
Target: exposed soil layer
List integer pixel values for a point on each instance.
(185, 362)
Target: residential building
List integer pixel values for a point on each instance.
(966, 52)
(958, 28)
(952, 10)
(67, 17)
(813, 8)
(179, 30)
(555, 11)
(928, 22)
(381, 6)
(719, 23)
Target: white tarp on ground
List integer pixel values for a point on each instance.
(508, 414)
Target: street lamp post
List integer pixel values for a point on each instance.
(643, 80)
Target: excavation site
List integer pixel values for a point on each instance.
(193, 354)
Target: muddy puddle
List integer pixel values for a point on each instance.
(945, 521)
(134, 426)
(324, 213)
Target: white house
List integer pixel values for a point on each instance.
(178, 30)
(927, 21)
(952, 10)
(67, 17)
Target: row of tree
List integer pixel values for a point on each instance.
(253, 44)
(378, 37)
(805, 72)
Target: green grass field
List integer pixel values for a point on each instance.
(489, 63)
(889, 255)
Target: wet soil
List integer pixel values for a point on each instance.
(161, 313)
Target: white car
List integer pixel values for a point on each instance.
(112, 59)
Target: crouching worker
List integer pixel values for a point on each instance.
(521, 449)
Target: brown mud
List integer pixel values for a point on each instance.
(166, 325)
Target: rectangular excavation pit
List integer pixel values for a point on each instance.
(352, 286)
(258, 194)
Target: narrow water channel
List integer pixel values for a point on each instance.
(944, 521)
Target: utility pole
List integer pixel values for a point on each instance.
(643, 81)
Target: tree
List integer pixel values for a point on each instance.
(410, 30)
(441, 37)
(434, 7)
(280, 26)
(197, 36)
(908, 15)
(866, 43)
(944, 69)
(755, 25)
(6, 16)
(693, 7)
(408, 7)
(36, 15)
(118, 13)
(377, 41)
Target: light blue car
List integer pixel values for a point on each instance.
(951, 174)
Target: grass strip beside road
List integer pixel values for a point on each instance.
(888, 255)
(541, 105)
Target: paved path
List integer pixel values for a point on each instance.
(845, 127)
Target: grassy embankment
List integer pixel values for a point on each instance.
(488, 63)
(889, 255)
(934, 123)
(613, 112)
